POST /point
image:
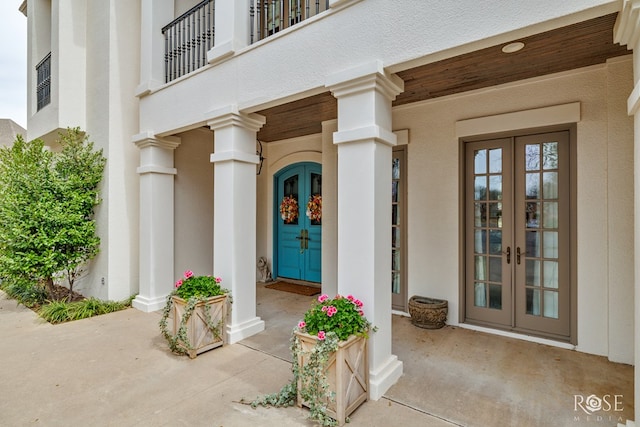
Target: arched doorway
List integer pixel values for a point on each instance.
(298, 223)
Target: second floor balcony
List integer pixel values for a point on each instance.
(191, 35)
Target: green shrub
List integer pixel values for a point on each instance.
(62, 311)
(47, 199)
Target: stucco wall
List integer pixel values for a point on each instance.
(194, 203)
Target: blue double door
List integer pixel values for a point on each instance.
(298, 219)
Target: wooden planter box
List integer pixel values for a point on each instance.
(200, 336)
(347, 374)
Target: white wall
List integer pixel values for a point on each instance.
(194, 203)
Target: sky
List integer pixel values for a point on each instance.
(13, 62)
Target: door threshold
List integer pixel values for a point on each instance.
(519, 336)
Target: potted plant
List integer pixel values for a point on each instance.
(194, 317)
(330, 362)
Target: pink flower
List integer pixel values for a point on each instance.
(361, 313)
(218, 279)
(322, 298)
(301, 324)
(358, 303)
(324, 308)
(188, 274)
(338, 296)
(321, 335)
(350, 297)
(331, 311)
(179, 283)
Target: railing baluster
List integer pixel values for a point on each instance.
(43, 83)
(187, 40)
(268, 17)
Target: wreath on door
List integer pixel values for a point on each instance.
(289, 209)
(314, 208)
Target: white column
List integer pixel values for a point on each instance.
(233, 29)
(365, 142)
(234, 224)
(627, 32)
(154, 15)
(156, 220)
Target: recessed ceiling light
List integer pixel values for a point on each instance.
(512, 47)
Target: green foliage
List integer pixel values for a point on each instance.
(332, 321)
(46, 210)
(314, 385)
(198, 286)
(27, 293)
(62, 311)
(342, 315)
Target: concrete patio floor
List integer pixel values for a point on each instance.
(116, 370)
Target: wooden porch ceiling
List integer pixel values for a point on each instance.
(575, 46)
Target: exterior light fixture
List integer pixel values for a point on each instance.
(512, 47)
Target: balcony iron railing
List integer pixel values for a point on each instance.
(187, 40)
(270, 16)
(43, 87)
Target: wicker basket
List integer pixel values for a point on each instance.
(428, 313)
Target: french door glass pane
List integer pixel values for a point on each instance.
(532, 157)
(495, 242)
(291, 191)
(480, 166)
(533, 244)
(550, 239)
(481, 188)
(480, 244)
(551, 304)
(532, 214)
(480, 210)
(532, 185)
(396, 169)
(481, 268)
(395, 215)
(550, 185)
(480, 295)
(495, 297)
(532, 273)
(395, 282)
(550, 215)
(533, 302)
(495, 160)
(550, 155)
(551, 274)
(495, 269)
(495, 187)
(395, 237)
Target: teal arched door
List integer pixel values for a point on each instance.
(298, 222)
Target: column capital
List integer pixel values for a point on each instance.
(148, 139)
(230, 116)
(365, 78)
(627, 28)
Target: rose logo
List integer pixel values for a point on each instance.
(593, 403)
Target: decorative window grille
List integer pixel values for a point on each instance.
(43, 88)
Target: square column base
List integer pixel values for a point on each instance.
(149, 304)
(244, 330)
(382, 379)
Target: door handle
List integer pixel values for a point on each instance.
(518, 255)
(306, 239)
(508, 254)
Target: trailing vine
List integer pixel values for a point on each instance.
(179, 343)
(311, 378)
